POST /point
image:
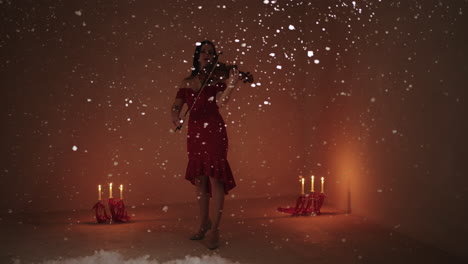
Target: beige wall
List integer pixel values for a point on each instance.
(396, 160)
(112, 54)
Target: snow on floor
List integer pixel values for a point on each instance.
(112, 257)
(252, 232)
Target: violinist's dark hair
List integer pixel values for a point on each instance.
(196, 56)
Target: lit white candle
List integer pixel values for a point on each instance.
(312, 184)
(99, 192)
(302, 189)
(121, 191)
(110, 190)
(323, 180)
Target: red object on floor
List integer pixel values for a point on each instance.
(306, 205)
(118, 211)
(100, 211)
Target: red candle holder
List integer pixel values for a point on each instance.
(100, 212)
(306, 205)
(118, 213)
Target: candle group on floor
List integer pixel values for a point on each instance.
(312, 181)
(110, 191)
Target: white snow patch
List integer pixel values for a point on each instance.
(103, 256)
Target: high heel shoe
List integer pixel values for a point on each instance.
(212, 239)
(201, 233)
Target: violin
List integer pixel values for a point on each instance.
(221, 72)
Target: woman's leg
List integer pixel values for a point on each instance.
(217, 192)
(202, 196)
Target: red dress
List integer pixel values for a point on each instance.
(207, 141)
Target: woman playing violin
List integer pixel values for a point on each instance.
(205, 91)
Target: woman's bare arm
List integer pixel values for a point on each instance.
(223, 97)
(175, 111)
(178, 104)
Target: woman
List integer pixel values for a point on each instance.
(207, 142)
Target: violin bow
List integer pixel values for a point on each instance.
(199, 92)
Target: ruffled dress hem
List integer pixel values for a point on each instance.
(218, 169)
